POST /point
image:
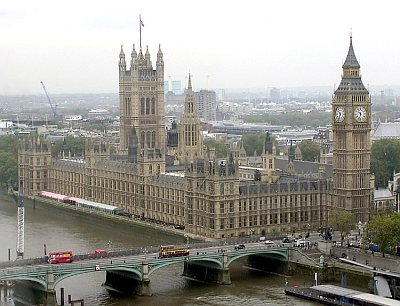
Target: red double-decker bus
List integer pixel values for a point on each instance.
(60, 257)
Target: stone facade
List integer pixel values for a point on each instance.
(351, 111)
(204, 193)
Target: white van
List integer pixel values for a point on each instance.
(300, 243)
(269, 242)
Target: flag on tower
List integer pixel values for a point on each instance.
(141, 22)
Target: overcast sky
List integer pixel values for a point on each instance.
(73, 46)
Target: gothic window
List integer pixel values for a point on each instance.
(142, 106)
(153, 139)
(231, 222)
(147, 106)
(148, 139)
(153, 106)
(142, 139)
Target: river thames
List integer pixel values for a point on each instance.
(60, 229)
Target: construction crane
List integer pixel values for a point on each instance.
(53, 107)
(21, 221)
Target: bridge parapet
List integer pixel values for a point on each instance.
(139, 267)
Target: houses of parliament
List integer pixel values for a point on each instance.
(168, 175)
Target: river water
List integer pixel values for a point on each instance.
(60, 230)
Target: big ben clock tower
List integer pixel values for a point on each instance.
(351, 112)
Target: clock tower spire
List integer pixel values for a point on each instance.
(351, 108)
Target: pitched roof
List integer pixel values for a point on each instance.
(351, 60)
(387, 130)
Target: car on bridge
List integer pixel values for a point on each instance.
(240, 246)
(269, 242)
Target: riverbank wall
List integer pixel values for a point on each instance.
(328, 271)
(110, 217)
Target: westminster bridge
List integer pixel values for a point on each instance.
(129, 271)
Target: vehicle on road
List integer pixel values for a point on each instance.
(167, 251)
(269, 242)
(60, 257)
(355, 244)
(300, 242)
(239, 246)
(287, 240)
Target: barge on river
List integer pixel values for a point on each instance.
(335, 295)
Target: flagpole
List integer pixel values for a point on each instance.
(140, 31)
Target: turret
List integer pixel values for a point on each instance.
(133, 58)
(147, 57)
(122, 63)
(160, 61)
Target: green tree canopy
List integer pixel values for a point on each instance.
(385, 158)
(310, 150)
(253, 143)
(8, 160)
(294, 118)
(75, 145)
(342, 221)
(220, 148)
(384, 230)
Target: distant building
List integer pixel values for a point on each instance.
(73, 117)
(99, 115)
(174, 99)
(275, 94)
(174, 86)
(384, 201)
(206, 104)
(386, 130)
(6, 124)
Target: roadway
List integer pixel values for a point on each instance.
(147, 255)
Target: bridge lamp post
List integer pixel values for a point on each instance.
(187, 239)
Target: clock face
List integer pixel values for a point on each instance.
(339, 114)
(360, 114)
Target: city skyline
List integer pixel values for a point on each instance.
(74, 47)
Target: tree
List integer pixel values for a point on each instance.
(342, 221)
(253, 143)
(385, 158)
(293, 118)
(220, 148)
(8, 160)
(74, 145)
(384, 230)
(310, 150)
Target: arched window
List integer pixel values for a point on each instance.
(142, 106)
(142, 139)
(153, 139)
(148, 139)
(147, 106)
(153, 106)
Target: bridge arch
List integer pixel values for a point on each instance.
(276, 254)
(78, 272)
(41, 281)
(168, 263)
